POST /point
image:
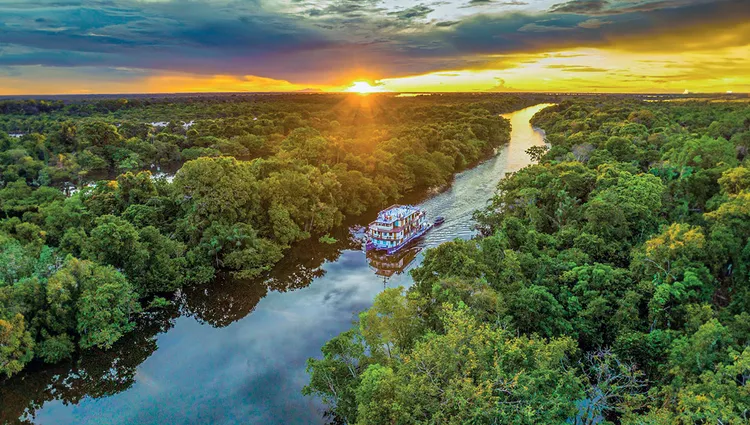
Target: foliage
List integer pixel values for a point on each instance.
(90, 223)
(327, 239)
(608, 285)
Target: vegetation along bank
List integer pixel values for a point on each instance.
(609, 285)
(256, 175)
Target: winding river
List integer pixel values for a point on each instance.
(235, 351)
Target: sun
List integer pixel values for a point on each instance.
(363, 87)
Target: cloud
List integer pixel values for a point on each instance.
(416, 12)
(648, 6)
(593, 23)
(542, 26)
(480, 3)
(333, 41)
(616, 7)
(37, 79)
(576, 68)
(500, 85)
(723, 23)
(347, 8)
(580, 6)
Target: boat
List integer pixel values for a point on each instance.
(395, 227)
(439, 221)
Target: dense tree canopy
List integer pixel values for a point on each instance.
(90, 225)
(609, 285)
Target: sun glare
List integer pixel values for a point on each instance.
(363, 87)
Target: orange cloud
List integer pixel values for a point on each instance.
(66, 82)
(219, 83)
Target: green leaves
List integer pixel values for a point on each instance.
(628, 208)
(472, 373)
(98, 299)
(335, 377)
(54, 308)
(605, 243)
(219, 190)
(391, 325)
(53, 349)
(535, 310)
(16, 345)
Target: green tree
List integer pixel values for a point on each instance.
(116, 242)
(16, 345)
(335, 377)
(391, 326)
(105, 309)
(94, 301)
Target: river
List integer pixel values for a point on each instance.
(235, 351)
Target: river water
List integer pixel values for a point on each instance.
(235, 351)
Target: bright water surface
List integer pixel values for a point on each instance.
(234, 351)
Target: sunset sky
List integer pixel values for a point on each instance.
(137, 46)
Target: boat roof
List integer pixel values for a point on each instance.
(394, 212)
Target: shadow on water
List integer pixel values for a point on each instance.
(227, 300)
(207, 359)
(96, 374)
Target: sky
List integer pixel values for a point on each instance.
(142, 46)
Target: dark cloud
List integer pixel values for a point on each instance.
(544, 26)
(346, 8)
(446, 23)
(648, 6)
(615, 7)
(416, 12)
(485, 34)
(200, 37)
(580, 6)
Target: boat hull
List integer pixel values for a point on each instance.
(369, 246)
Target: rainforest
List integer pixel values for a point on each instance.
(90, 236)
(607, 282)
(374, 212)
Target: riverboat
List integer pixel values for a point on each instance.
(395, 227)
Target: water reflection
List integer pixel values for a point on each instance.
(222, 302)
(226, 299)
(386, 265)
(97, 374)
(209, 360)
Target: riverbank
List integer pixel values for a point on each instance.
(234, 351)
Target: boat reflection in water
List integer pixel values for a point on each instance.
(386, 265)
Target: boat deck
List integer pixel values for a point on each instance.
(395, 213)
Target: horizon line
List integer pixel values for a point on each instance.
(302, 92)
